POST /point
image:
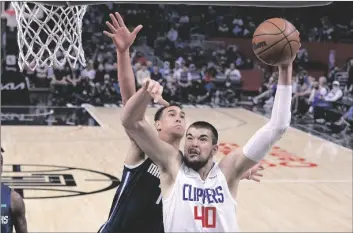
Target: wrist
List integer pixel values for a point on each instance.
(285, 67)
(123, 53)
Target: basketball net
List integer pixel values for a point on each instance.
(49, 35)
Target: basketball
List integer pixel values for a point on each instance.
(276, 41)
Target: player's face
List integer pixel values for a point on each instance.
(198, 148)
(172, 121)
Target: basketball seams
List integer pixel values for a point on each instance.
(278, 57)
(277, 42)
(285, 25)
(268, 34)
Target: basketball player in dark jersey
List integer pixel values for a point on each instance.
(12, 209)
(137, 204)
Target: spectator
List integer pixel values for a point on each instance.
(345, 121)
(99, 76)
(200, 94)
(233, 74)
(302, 56)
(319, 91)
(267, 90)
(59, 86)
(43, 75)
(172, 35)
(219, 73)
(177, 70)
(184, 84)
(333, 96)
(301, 96)
(165, 71)
(157, 76)
(349, 86)
(238, 24)
(88, 72)
(223, 29)
(225, 95)
(170, 92)
(149, 66)
(194, 73)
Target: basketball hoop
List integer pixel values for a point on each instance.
(49, 33)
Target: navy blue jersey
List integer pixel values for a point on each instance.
(6, 212)
(137, 204)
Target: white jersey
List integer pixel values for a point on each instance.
(194, 205)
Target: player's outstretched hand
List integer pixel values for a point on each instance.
(290, 63)
(119, 33)
(155, 90)
(254, 173)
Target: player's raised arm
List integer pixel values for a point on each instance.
(145, 135)
(237, 162)
(123, 39)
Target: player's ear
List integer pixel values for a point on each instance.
(157, 124)
(214, 149)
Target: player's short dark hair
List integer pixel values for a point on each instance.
(206, 125)
(159, 112)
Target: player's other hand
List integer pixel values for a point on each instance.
(119, 33)
(155, 90)
(255, 173)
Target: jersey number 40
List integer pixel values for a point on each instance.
(207, 215)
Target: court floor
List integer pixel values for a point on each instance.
(68, 174)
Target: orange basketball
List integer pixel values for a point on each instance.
(276, 41)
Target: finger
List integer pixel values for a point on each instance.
(108, 34)
(158, 93)
(151, 86)
(255, 179)
(120, 19)
(137, 30)
(258, 174)
(163, 102)
(111, 27)
(155, 89)
(115, 22)
(146, 83)
(261, 167)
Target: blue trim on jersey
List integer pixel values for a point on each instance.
(126, 180)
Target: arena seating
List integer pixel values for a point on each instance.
(177, 41)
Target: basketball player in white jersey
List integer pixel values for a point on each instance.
(199, 195)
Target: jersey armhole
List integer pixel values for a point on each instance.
(172, 190)
(132, 167)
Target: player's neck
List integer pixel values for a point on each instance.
(205, 170)
(172, 140)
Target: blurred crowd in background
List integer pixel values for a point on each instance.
(174, 48)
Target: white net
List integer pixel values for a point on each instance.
(49, 35)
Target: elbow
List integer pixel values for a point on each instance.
(127, 121)
(280, 128)
(130, 124)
